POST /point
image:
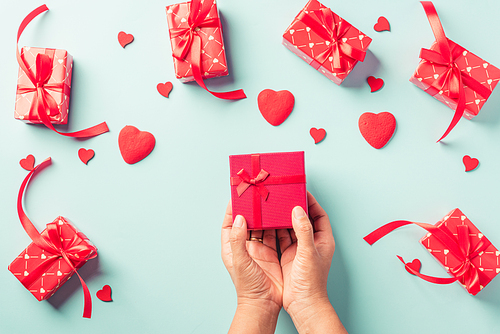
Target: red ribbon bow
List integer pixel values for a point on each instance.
(52, 243)
(190, 44)
(246, 182)
(453, 77)
(43, 103)
(466, 272)
(322, 22)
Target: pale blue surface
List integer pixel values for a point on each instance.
(157, 223)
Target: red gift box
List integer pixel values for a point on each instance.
(42, 272)
(326, 41)
(58, 86)
(458, 245)
(454, 75)
(266, 187)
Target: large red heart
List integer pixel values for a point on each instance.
(382, 25)
(125, 39)
(164, 88)
(415, 265)
(28, 162)
(317, 134)
(470, 163)
(275, 106)
(134, 144)
(104, 294)
(377, 129)
(85, 155)
(375, 83)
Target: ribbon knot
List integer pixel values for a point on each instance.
(246, 182)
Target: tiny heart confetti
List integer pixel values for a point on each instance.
(317, 134)
(375, 83)
(28, 162)
(470, 163)
(275, 106)
(104, 294)
(382, 25)
(415, 265)
(125, 38)
(134, 144)
(85, 155)
(377, 129)
(164, 88)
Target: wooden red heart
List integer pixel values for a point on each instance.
(85, 155)
(377, 129)
(104, 294)
(28, 162)
(164, 88)
(125, 38)
(415, 265)
(382, 25)
(470, 163)
(134, 144)
(317, 134)
(375, 83)
(275, 106)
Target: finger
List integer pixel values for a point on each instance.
(256, 234)
(303, 229)
(238, 243)
(227, 223)
(284, 239)
(269, 239)
(293, 236)
(318, 215)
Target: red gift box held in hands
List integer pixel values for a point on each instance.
(266, 187)
(54, 255)
(458, 245)
(452, 74)
(326, 41)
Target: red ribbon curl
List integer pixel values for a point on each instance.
(52, 243)
(190, 44)
(453, 77)
(43, 103)
(466, 272)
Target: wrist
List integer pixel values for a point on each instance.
(307, 314)
(254, 316)
(261, 307)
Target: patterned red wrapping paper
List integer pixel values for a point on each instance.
(61, 73)
(307, 44)
(213, 57)
(285, 185)
(488, 261)
(59, 271)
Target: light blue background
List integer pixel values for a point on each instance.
(157, 223)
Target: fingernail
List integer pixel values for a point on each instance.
(238, 221)
(298, 212)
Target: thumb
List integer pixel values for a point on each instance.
(303, 229)
(238, 241)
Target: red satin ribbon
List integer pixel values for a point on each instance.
(453, 77)
(52, 244)
(190, 44)
(322, 22)
(43, 103)
(243, 181)
(466, 272)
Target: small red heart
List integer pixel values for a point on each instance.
(470, 163)
(275, 106)
(85, 155)
(317, 134)
(415, 265)
(104, 294)
(382, 25)
(125, 38)
(164, 88)
(375, 83)
(377, 129)
(134, 144)
(28, 163)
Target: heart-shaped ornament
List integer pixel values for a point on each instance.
(85, 155)
(164, 88)
(415, 265)
(275, 106)
(317, 134)
(134, 144)
(470, 163)
(375, 83)
(104, 294)
(382, 25)
(124, 39)
(377, 129)
(28, 163)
